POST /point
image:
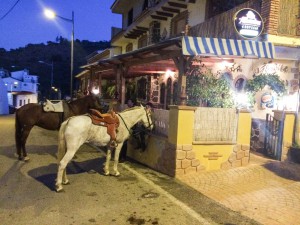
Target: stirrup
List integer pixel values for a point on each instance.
(113, 144)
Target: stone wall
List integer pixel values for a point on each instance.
(239, 157)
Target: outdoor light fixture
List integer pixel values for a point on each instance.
(49, 13)
(96, 91)
(52, 15)
(242, 100)
(170, 73)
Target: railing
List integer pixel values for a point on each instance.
(215, 125)
(161, 122)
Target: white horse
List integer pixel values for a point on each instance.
(78, 130)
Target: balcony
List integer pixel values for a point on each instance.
(157, 10)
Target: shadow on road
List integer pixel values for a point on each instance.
(10, 151)
(285, 170)
(47, 174)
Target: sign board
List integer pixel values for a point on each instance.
(248, 23)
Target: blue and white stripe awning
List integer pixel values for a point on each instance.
(227, 47)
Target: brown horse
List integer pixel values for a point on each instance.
(32, 114)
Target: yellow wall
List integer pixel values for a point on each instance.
(203, 151)
(244, 128)
(181, 124)
(288, 129)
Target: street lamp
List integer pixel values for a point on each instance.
(49, 64)
(51, 14)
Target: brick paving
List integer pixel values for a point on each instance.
(267, 191)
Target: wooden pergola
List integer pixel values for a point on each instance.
(174, 54)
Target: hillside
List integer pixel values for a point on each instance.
(58, 52)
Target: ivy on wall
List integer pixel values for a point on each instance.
(260, 81)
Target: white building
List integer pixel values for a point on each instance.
(21, 88)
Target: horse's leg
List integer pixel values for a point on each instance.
(61, 174)
(65, 180)
(116, 159)
(108, 157)
(25, 133)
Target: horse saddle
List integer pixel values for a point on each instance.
(109, 120)
(48, 106)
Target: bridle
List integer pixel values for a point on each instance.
(148, 118)
(144, 129)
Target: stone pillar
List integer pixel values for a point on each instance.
(181, 137)
(288, 130)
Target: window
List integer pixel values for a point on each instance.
(129, 47)
(130, 17)
(216, 7)
(179, 23)
(240, 83)
(162, 93)
(142, 41)
(175, 93)
(169, 89)
(142, 88)
(146, 3)
(20, 102)
(154, 33)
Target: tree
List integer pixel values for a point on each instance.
(206, 89)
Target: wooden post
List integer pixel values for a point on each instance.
(100, 83)
(92, 74)
(123, 84)
(182, 63)
(118, 82)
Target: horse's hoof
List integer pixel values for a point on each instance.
(117, 174)
(106, 173)
(59, 189)
(66, 182)
(26, 159)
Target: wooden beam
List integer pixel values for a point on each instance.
(167, 9)
(142, 28)
(155, 58)
(159, 17)
(177, 5)
(189, 1)
(164, 14)
(130, 37)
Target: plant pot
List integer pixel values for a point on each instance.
(294, 153)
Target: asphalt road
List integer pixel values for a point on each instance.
(139, 196)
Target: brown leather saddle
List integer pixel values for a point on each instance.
(108, 120)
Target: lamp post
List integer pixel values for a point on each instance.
(51, 14)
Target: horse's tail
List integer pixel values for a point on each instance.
(61, 141)
(18, 132)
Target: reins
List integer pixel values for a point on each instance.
(141, 130)
(124, 123)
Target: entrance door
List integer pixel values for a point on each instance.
(273, 137)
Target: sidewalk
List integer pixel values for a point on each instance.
(267, 191)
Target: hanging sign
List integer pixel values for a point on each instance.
(248, 23)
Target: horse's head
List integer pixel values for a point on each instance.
(146, 118)
(95, 102)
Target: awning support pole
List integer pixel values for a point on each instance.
(182, 63)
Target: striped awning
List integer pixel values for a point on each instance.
(227, 47)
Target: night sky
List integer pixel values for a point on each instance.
(27, 24)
